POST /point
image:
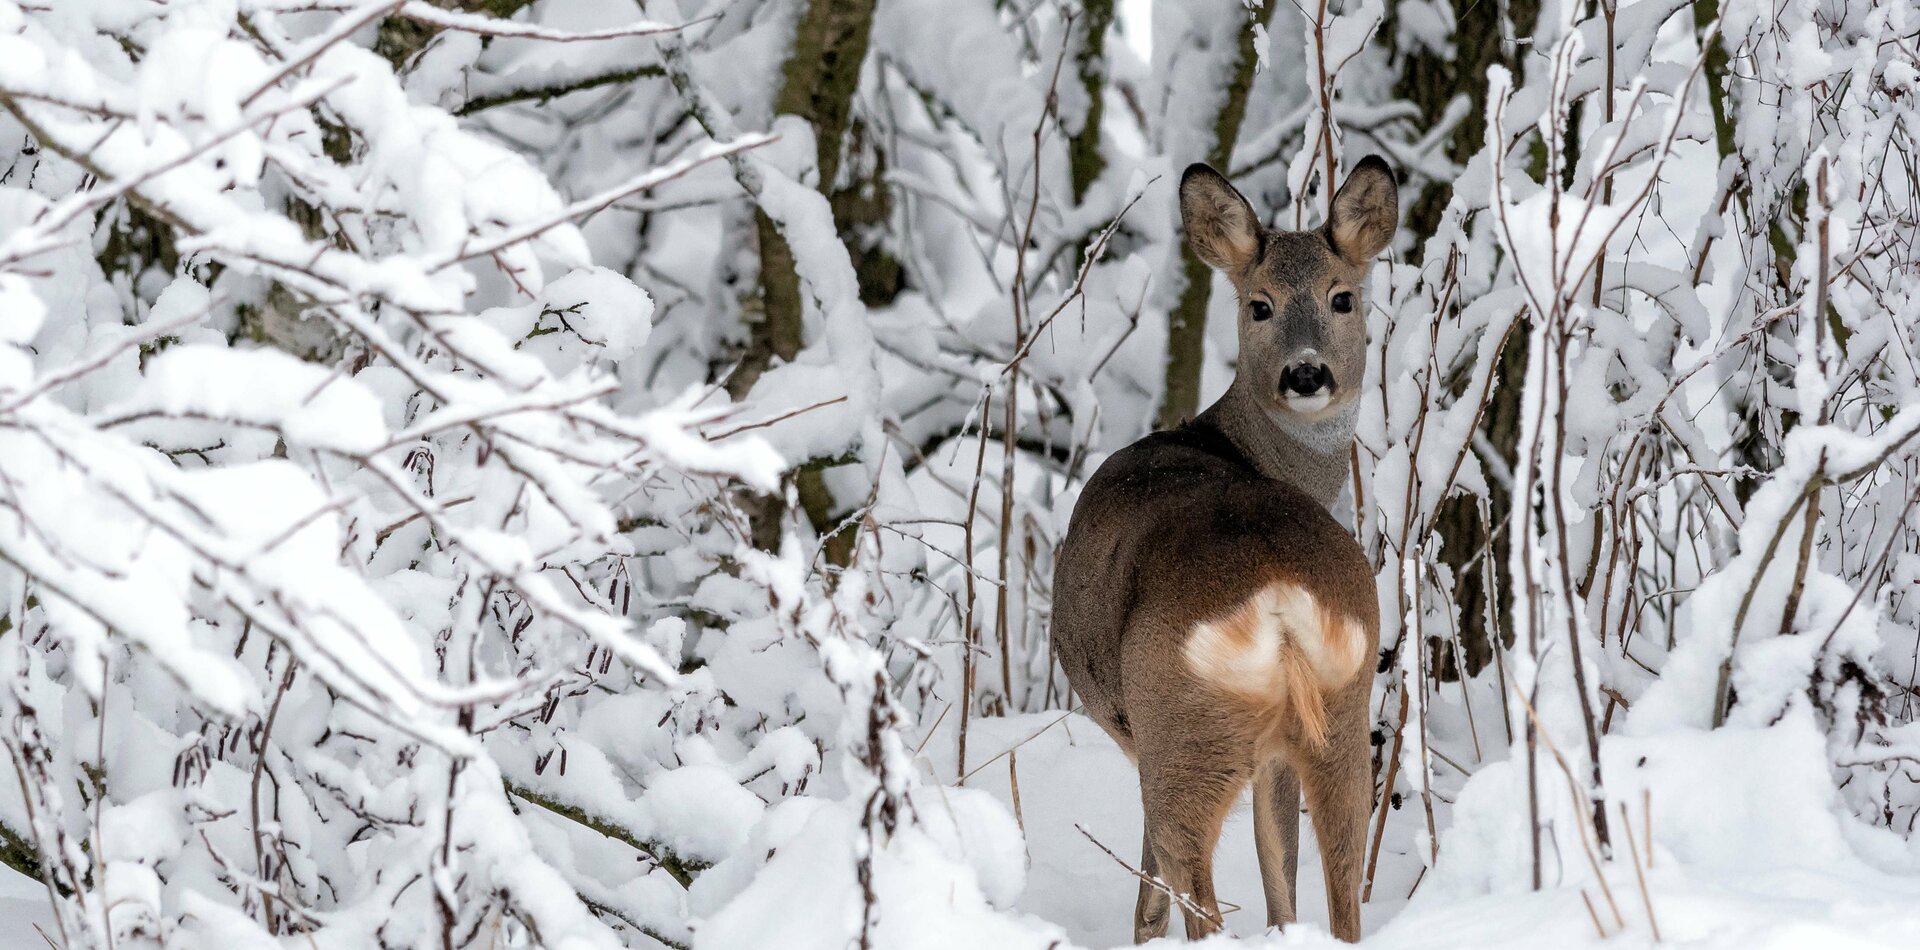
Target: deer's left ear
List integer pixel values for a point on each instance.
(1365, 212)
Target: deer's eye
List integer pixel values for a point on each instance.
(1260, 310)
(1343, 302)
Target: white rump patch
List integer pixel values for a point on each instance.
(1246, 651)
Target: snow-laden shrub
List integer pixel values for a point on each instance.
(346, 586)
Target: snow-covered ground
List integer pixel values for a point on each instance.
(1793, 878)
(1797, 876)
(1072, 776)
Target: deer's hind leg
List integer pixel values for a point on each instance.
(1153, 908)
(1185, 809)
(1193, 766)
(1339, 784)
(1276, 836)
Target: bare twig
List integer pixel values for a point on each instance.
(1185, 902)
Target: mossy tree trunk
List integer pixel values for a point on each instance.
(818, 82)
(1085, 161)
(1431, 84)
(1187, 322)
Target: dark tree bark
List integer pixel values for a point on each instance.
(821, 74)
(1085, 161)
(1187, 322)
(818, 81)
(1431, 83)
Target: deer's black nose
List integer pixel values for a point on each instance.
(1307, 378)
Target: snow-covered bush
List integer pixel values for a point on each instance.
(327, 512)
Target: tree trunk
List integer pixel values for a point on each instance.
(1187, 322)
(819, 79)
(821, 73)
(1431, 83)
(1085, 161)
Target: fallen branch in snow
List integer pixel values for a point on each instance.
(1592, 914)
(1186, 903)
(1015, 747)
(607, 911)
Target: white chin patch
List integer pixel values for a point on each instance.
(1308, 405)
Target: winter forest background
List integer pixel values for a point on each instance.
(571, 473)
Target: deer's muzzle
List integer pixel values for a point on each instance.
(1307, 377)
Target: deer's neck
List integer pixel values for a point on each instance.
(1314, 457)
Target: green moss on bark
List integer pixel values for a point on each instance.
(1187, 321)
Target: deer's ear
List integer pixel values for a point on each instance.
(1365, 212)
(1219, 223)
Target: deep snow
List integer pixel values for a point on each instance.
(1724, 875)
(1752, 857)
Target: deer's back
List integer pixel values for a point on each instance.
(1180, 551)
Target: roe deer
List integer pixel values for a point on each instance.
(1216, 619)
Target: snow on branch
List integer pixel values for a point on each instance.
(374, 546)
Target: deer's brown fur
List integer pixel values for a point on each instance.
(1216, 619)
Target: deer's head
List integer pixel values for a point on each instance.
(1303, 331)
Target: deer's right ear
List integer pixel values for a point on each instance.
(1219, 223)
